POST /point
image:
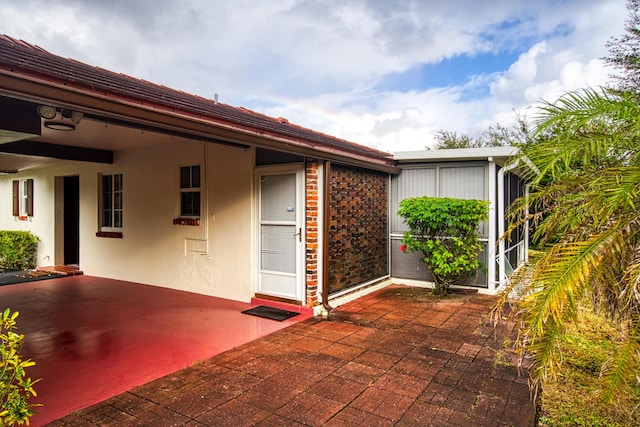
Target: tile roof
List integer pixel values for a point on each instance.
(21, 57)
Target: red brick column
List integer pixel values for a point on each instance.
(311, 231)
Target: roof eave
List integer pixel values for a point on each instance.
(496, 154)
(38, 89)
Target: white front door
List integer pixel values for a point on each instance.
(280, 232)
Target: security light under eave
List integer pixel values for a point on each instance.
(59, 125)
(75, 116)
(47, 111)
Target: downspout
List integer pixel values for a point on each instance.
(325, 234)
(527, 188)
(526, 224)
(501, 217)
(204, 217)
(492, 232)
(206, 198)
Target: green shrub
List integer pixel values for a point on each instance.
(17, 250)
(15, 387)
(445, 231)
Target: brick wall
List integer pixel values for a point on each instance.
(358, 234)
(311, 221)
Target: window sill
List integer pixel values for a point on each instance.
(186, 221)
(109, 234)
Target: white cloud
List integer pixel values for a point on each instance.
(318, 63)
(565, 59)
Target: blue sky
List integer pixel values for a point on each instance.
(449, 72)
(384, 73)
(505, 49)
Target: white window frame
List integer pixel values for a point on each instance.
(189, 188)
(24, 197)
(112, 202)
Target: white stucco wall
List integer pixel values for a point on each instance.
(152, 250)
(41, 223)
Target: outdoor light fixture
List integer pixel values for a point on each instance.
(47, 111)
(75, 116)
(59, 125)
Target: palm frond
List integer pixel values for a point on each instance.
(586, 108)
(629, 296)
(583, 205)
(621, 373)
(615, 189)
(563, 276)
(583, 128)
(546, 353)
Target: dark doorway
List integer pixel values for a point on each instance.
(71, 220)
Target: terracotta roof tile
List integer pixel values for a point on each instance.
(21, 57)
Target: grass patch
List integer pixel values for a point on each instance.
(574, 397)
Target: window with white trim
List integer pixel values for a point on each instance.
(190, 191)
(23, 198)
(111, 202)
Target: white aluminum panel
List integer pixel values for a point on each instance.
(278, 249)
(463, 182)
(279, 285)
(410, 183)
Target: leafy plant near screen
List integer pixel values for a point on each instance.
(17, 250)
(444, 230)
(15, 387)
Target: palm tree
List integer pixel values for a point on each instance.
(585, 204)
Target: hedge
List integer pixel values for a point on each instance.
(17, 250)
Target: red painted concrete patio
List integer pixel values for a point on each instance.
(95, 338)
(395, 357)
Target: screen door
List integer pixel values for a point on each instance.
(280, 235)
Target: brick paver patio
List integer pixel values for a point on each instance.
(397, 357)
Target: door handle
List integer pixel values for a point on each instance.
(299, 234)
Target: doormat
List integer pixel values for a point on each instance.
(270, 313)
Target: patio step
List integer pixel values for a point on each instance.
(65, 270)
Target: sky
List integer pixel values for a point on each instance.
(388, 74)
